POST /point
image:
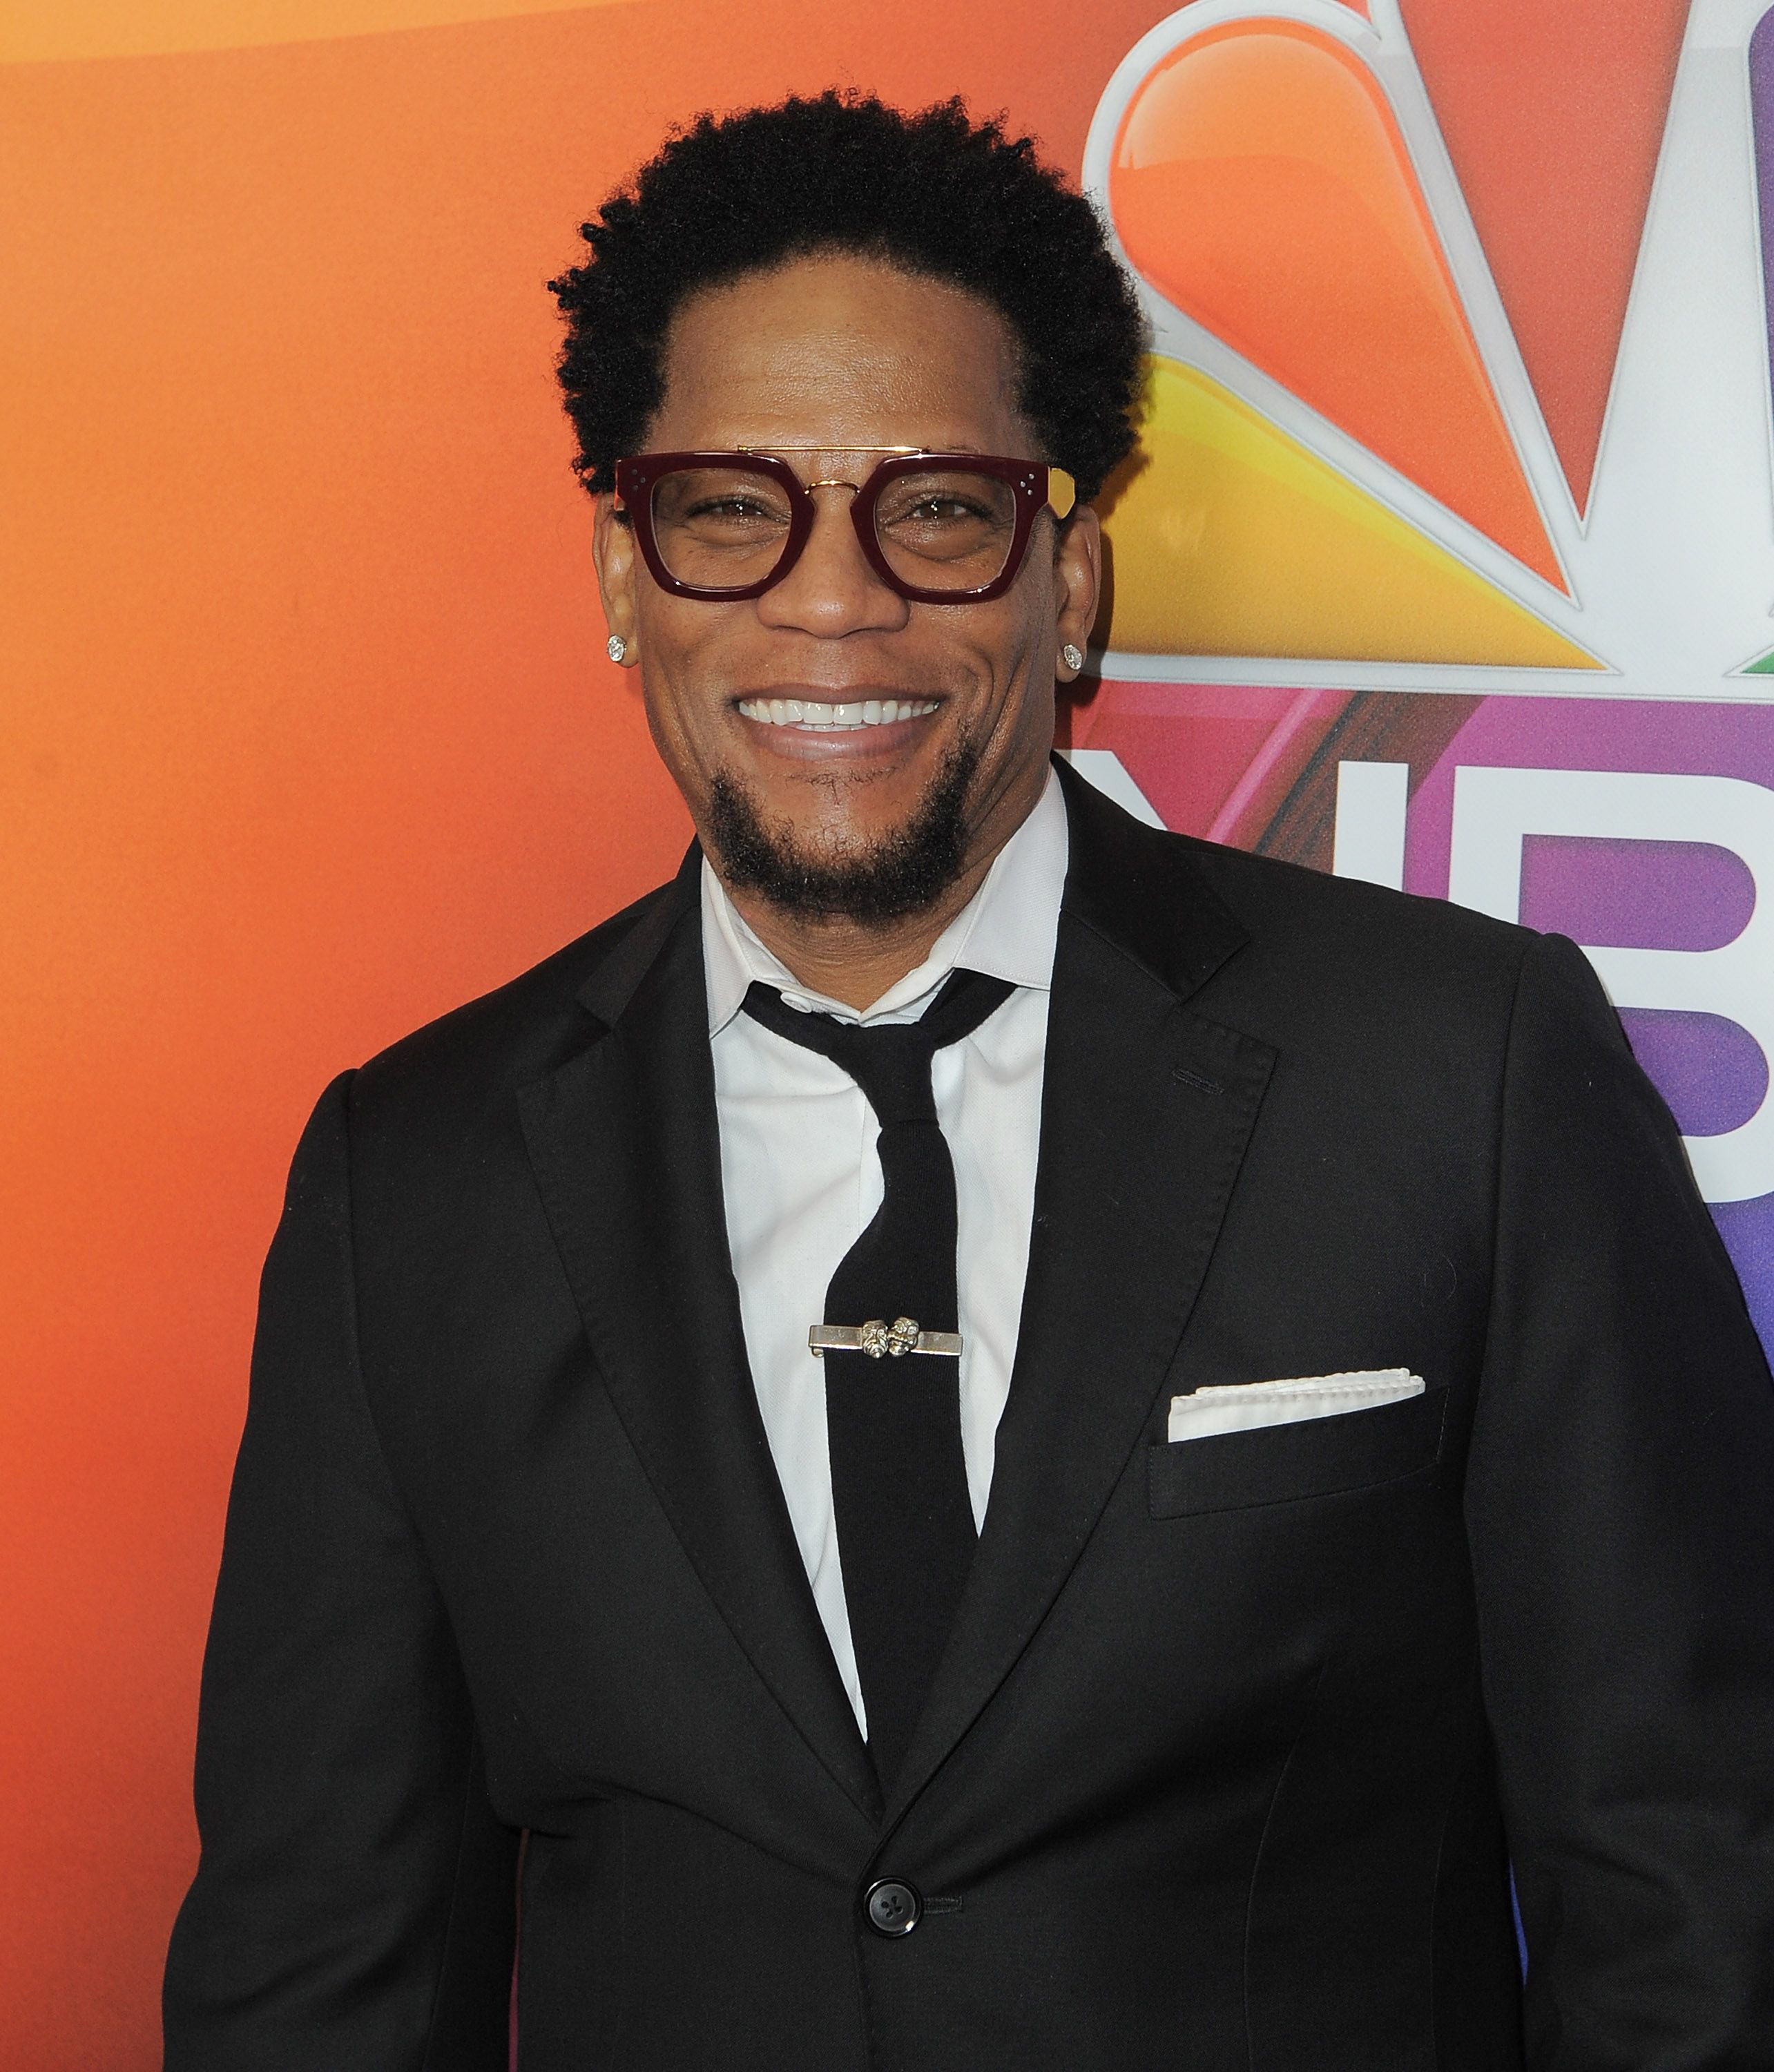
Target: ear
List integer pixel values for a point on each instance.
(613, 555)
(1078, 583)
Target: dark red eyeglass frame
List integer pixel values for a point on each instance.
(1036, 487)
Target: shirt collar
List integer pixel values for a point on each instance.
(1008, 930)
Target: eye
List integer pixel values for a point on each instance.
(951, 507)
(940, 509)
(734, 504)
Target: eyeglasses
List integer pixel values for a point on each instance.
(937, 528)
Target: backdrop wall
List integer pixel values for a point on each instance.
(1448, 563)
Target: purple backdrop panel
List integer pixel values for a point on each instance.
(1761, 89)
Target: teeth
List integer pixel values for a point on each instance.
(828, 718)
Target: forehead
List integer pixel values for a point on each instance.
(837, 353)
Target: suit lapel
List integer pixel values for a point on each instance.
(1146, 1110)
(626, 1147)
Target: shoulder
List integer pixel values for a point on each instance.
(1352, 976)
(1255, 926)
(1403, 1028)
(1291, 911)
(471, 1062)
(1378, 995)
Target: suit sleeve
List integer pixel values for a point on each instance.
(352, 1910)
(1621, 1506)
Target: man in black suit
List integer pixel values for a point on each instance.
(1325, 1458)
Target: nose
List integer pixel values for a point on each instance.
(831, 590)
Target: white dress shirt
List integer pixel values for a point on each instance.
(802, 1179)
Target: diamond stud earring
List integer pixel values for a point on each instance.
(1072, 656)
(617, 648)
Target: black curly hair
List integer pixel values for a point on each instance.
(931, 192)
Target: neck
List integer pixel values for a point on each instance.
(846, 961)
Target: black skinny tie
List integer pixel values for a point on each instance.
(899, 1480)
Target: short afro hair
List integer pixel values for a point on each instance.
(932, 193)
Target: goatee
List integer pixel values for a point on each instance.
(903, 873)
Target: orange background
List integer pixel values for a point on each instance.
(308, 736)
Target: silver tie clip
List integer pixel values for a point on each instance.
(879, 1339)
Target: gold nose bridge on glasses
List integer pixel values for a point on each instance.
(830, 481)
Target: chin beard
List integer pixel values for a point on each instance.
(903, 873)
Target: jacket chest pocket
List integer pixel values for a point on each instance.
(1354, 1450)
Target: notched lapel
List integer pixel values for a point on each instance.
(1147, 1110)
(625, 1144)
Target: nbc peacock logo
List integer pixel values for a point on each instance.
(1460, 373)
(1448, 556)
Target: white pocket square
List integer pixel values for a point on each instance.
(1244, 1406)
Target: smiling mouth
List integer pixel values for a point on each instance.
(811, 712)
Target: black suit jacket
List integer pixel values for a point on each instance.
(1233, 1738)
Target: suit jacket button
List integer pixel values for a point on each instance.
(892, 1907)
